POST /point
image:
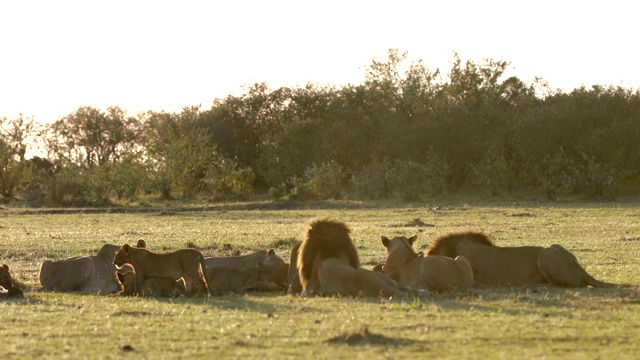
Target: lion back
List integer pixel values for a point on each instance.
(325, 238)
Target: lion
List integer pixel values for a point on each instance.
(182, 263)
(436, 273)
(153, 287)
(8, 288)
(328, 264)
(83, 273)
(6, 281)
(494, 265)
(259, 271)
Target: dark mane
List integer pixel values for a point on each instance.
(325, 238)
(444, 242)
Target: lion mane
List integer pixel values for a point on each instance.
(328, 264)
(495, 265)
(325, 238)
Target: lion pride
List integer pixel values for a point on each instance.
(329, 265)
(494, 265)
(437, 273)
(182, 263)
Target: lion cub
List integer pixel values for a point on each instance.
(183, 263)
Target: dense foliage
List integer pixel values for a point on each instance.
(406, 132)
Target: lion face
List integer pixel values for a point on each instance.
(5, 277)
(273, 268)
(122, 256)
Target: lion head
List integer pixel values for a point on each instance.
(122, 256)
(5, 277)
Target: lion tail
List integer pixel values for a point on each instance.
(325, 238)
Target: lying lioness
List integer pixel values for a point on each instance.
(437, 273)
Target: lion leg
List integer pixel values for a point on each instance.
(439, 273)
(560, 267)
(465, 270)
(137, 285)
(202, 274)
(198, 278)
(293, 280)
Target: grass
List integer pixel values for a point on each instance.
(511, 322)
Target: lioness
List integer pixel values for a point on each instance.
(437, 273)
(328, 264)
(183, 263)
(84, 273)
(259, 271)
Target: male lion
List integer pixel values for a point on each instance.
(494, 265)
(182, 263)
(259, 271)
(437, 273)
(329, 265)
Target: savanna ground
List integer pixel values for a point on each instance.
(510, 322)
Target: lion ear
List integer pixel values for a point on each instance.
(413, 239)
(125, 247)
(6, 266)
(271, 252)
(385, 241)
(141, 244)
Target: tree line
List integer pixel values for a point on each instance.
(406, 132)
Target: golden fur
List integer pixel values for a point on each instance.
(328, 264)
(83, 273)
(293, 278)
(183, 263)
(437, 273)
(494, 265)
(259, 271)
(154, 287)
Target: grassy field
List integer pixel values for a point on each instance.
(512, 322)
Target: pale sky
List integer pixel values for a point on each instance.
(56, 56)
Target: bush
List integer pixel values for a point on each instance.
(227, 178)
(404, 179)
(326, 181)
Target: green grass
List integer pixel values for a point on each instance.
(514, 322)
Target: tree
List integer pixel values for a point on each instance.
(180, 151)
(90, 137)
(14, 168)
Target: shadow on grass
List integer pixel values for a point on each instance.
(366, 337)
